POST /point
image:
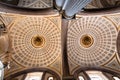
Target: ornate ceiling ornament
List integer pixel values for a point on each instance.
(86, 41)
(91, 41)
(38, 41)
(35, 41)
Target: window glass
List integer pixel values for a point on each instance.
(1, 71)
(50, 78)
(116, 78)
(34, 76)
(96, 75)
(81, 78)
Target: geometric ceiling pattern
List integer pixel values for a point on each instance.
(35, 3)
(91, 41)
(114, 64)
(102, 4)
(116, 20)
(35, 41)
(31, 42)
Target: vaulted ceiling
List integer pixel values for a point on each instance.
(67, 7)
(42, 39)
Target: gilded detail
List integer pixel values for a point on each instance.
(38, 41)
(86, 41)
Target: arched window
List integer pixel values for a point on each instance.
(116, 78)
(1, 71)
(50, 78)
(96, 75)
(81, 78)
(34, 76)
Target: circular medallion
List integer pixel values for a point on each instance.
(38, 41)
(86, 41)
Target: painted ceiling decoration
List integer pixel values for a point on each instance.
(91, 42)
(36, 3)
(35, 41)
(68, 8)
(38, 40)
(30, 4)
(99, 4)
(118, 43)
(71, 7)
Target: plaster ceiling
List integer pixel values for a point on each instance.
(103, 38)
(91, 42)
(38, 38)
(35, 41)
(67, 7)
